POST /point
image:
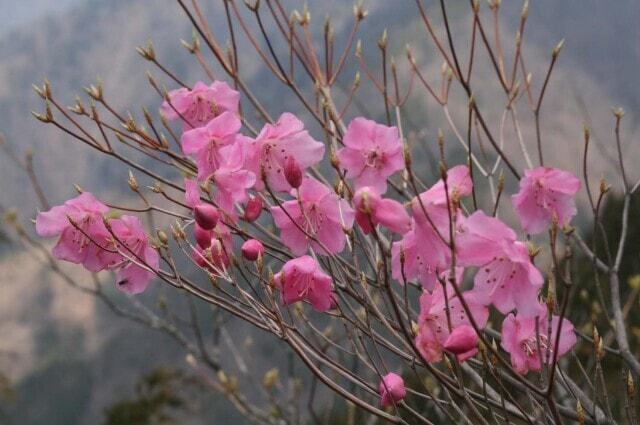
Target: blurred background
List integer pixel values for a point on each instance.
(64, 357)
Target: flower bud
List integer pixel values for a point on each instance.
(253, 209)
(391, 390)
(252, 249)
(462, 339)
(206, 216)
(292, 172)
(162, 237)
(202, 236)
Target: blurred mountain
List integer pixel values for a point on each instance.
(19, 13)
(69, 358)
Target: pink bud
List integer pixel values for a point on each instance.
(462, 340)
(292, 172)
(206, 216)
(253, 209)
(252, 249)
(203, 236)
(391, 389)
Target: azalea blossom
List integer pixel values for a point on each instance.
(545, 194)
(391, 389)
(372, 153)
(433, 325)
(231, 179)
(426, 248)
(139, 258)
(371, 208)
(275, 144)
(206, 142)
(302, 279)
(316, 213)
(84, 239)
(425, 258)
(506, 276)
(528, 348)
(459, 185)
(196, 107)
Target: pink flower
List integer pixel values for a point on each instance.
(277, 142)
(480, 238)
(196, 107)
(545, 194)
(506, 277)
(459, 185)
(139, 259)
(302, 279)
(253, 209)
(372, 153)
(206, 142)
(372, 209)
(426, 247)
(426, 255)
(391, 390)
(206, 216)
(86, 241)
(434, 326)
(527, 347)
(463, 340)
(191, 193)
(252, 249)
(323, 216)
(231, 178)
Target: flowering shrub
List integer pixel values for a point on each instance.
(429, 272)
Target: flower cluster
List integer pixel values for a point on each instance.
(433, 241)
(89, 238)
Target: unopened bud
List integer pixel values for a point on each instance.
(382, 43)
(359, 12)
(600, 349)
(618, 112)
(407, 157)
(580, 413)
(253, 209)
(162, 237)
(556, 50)
(206, 216)
(252, 249)
(525, 10)
(202, 236)
(631, 385)
(148, 53)
(604, 187)
(133, 183)
(292, 172)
